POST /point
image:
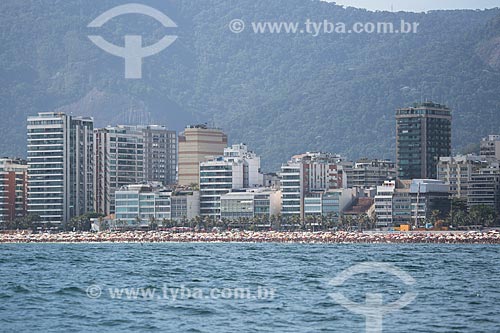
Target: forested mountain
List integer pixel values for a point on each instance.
(280, 93)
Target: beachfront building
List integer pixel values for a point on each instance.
(198, 143)
(383, 203)
(423, 135)
(490, 148)
(140, 205)
(308, 173)
(457, 172)
(369, 174)
(160, 154)
(484, 187)
(60, 162)
(429, 196)
(411, 202)
(401, 204)
(330, 202)
(261, 202)
(185, 205)
(292, 188)
(238, 168)
(218, 176)
(13, 189)
(119, 161)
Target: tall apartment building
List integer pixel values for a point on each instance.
(423, 135)
(119, 161)
(292, 188)
(60, 162)
(198, 143)
(13, 189)
(308, 173)
(384, 203)
(369, 174)
(160, 154)
(490, 147)
(457, 172)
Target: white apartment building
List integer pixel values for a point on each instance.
(383, 203)
(292, 188)
(60, 164)
(218, 176)
(307, 173)
(237, 169)
(457, 172)
(252, 173)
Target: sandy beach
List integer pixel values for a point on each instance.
(490, 237)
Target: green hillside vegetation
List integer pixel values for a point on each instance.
(281, 94)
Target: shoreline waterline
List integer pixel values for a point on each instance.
(303, 237)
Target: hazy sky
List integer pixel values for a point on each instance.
(419, 5)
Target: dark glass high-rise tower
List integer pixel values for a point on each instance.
(423, 135)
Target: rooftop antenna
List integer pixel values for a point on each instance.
(392, 7)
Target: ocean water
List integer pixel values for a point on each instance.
(245, 287)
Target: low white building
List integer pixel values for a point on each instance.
(139, 205)
(262, 202)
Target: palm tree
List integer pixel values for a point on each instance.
(364, 221)
(153, 225)
(137, 222)
(483, 215)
